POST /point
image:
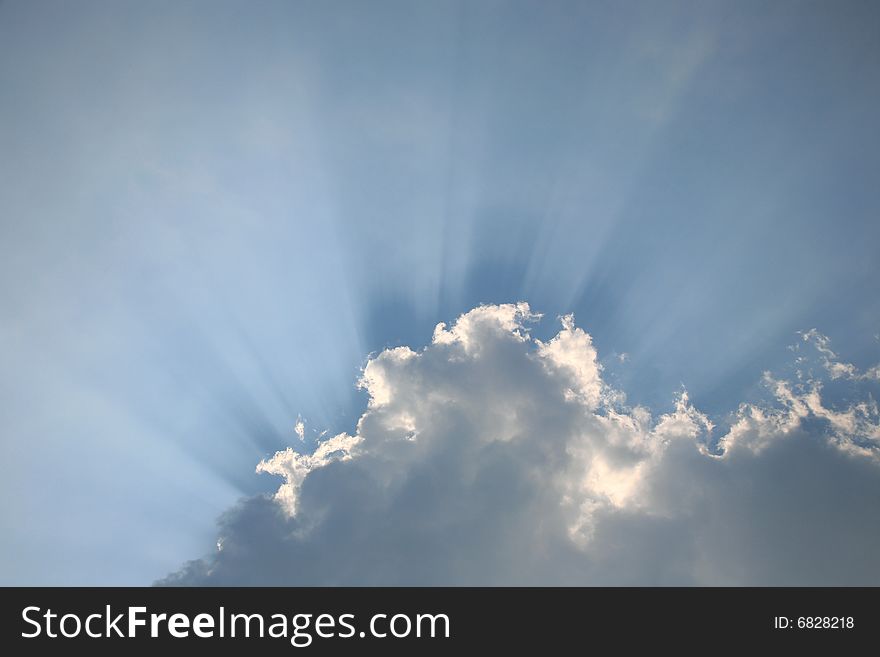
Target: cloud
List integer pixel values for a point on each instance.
(491, 457)
(837, 368)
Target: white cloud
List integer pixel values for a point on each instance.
(490, 457)
(836, 368)
(294, 467)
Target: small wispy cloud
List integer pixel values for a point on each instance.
(837, 368)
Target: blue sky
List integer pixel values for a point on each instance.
(211, 213)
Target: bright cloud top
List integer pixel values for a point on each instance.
(491, 457)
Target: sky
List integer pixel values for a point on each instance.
(217, 218)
